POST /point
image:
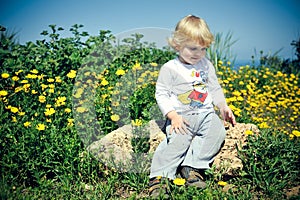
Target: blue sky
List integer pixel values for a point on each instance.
(267, 25)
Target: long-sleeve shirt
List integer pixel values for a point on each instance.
(188, 88)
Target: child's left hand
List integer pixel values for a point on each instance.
(227, 115)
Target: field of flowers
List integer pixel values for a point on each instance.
(60, 94)
(267, 98)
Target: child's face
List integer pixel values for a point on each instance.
(191, 53)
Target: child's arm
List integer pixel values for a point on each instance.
(163, 97)
(227, 114)
(219, 97)
(163, 89)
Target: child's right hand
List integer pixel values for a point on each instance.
(178, 123)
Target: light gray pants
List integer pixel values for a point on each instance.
(196, 149)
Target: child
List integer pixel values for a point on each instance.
(186, 91)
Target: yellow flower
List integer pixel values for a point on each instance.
(14, 109)
(68, 110)
(115, 103)
(60, 101)
(40, 127)
(3, 93)
(42, 99)
(232, 107)
(263, 125)
(71, 74)
(77, 95)
(26, 86)
(34, 92)
(89, 82)
(140, 80)
(153, 64)
(52, 86)
(34, 71)
(41, 76)
(50, 80)
(222, 183)
(144, 74)
(18, 72)
(21, 113)
(70, 122)
(87, 73)
(249, 132)
(44, 86)
(154, 74)
(15, 78)
(225, 81)
(58, 79)
(104, 82)
(49, 111)
(253, 104)
(120, 72)
(296, 133)
(179, 181)
(31, 76)
(236, 93)
(5, 75)
(137, 66)
(237, 112)
(14, 119)
(137, 122)
(104, 96)
(24, 81)
(80, 109)
(115, 117)
(240, 98)
(79, 92)
(26, 124)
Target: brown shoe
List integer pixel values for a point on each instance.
(194, 177)
(157, 188)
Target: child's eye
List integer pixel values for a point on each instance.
(197, 49)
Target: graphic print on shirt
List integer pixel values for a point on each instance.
(197, 96)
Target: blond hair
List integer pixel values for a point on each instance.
(191, 29)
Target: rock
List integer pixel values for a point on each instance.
(236, 136)
(156, 134)
(116, 147)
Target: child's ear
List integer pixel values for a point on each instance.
(177, 47)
